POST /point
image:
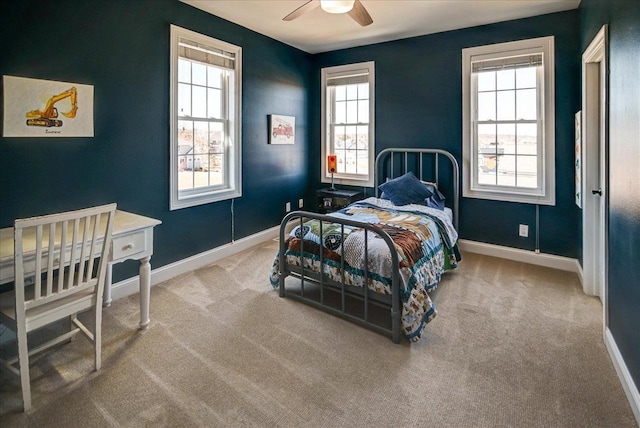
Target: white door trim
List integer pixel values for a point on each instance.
(595, 160)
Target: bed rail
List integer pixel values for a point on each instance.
(299, 218)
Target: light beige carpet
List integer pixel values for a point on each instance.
(513, 345)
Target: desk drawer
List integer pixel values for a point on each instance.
(128, 245)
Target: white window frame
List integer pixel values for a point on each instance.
(232, 114)
(545, 193)
(327, 135)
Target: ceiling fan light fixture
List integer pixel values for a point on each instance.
(337, 6)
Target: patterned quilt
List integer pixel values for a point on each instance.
(424, 238)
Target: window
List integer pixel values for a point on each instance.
(508, 121)
(347, 122)
(205, 119)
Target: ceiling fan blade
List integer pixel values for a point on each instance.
(310, 5)
(360, 14)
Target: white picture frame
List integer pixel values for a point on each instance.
(46, 108)
(282, 129)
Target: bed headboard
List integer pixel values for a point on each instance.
(434, 165)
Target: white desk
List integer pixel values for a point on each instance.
(132, 239)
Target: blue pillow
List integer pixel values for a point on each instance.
(436, 200)
(406, 189)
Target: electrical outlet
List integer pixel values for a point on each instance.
(524, 230)
(300, 203)
(287, 207)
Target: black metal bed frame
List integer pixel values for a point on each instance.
(386, 163)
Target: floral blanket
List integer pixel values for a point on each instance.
(424, 238)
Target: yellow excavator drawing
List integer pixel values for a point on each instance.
(47, 117)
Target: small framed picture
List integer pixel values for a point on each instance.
(282, 129)
(326, 202)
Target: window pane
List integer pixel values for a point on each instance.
(201, 140)
(185, 180)
(216, 137)
(526, 104)
(341, 164)
(487, 106)
(199, 101)
(487, 170)
(362, 142)
(185, 154)
(528, 139)
(352, 111)
(506, 79)
(185, 136)
(362, 163)
(214, 77)
(216, 172)
(487, 135)
(184, 99)
(352, 92)
(527, 171)
(487, 81)
(526, 77)
(339, 137)
(350, 137)
(215, 103)
(363, 91)
(351, 161)
(184, 71)
(507, 139)
(506, 105)
(199, 74)
(341, 92)
(506, 170)
(363, 111)
(341, 112)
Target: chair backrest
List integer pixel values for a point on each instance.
(66, 244)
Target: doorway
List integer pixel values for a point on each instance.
(595, 167)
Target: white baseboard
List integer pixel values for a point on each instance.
(130, 286)
(626, 380)
(525, 256)
(580, 274)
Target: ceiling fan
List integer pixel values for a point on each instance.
(354, 8)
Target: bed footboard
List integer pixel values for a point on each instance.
(326, 284)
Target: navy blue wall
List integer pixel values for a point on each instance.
(418, 104)
(623, 18)
(121, 47)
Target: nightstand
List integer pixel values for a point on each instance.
(332, 200)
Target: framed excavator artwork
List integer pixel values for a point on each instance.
(46, 108)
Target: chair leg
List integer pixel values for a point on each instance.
(97, 336)
(23, 357)
(72, 318)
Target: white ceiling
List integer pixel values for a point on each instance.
(317, 31)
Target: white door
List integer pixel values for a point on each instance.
(595, 163)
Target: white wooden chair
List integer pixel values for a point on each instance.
(61, 280)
